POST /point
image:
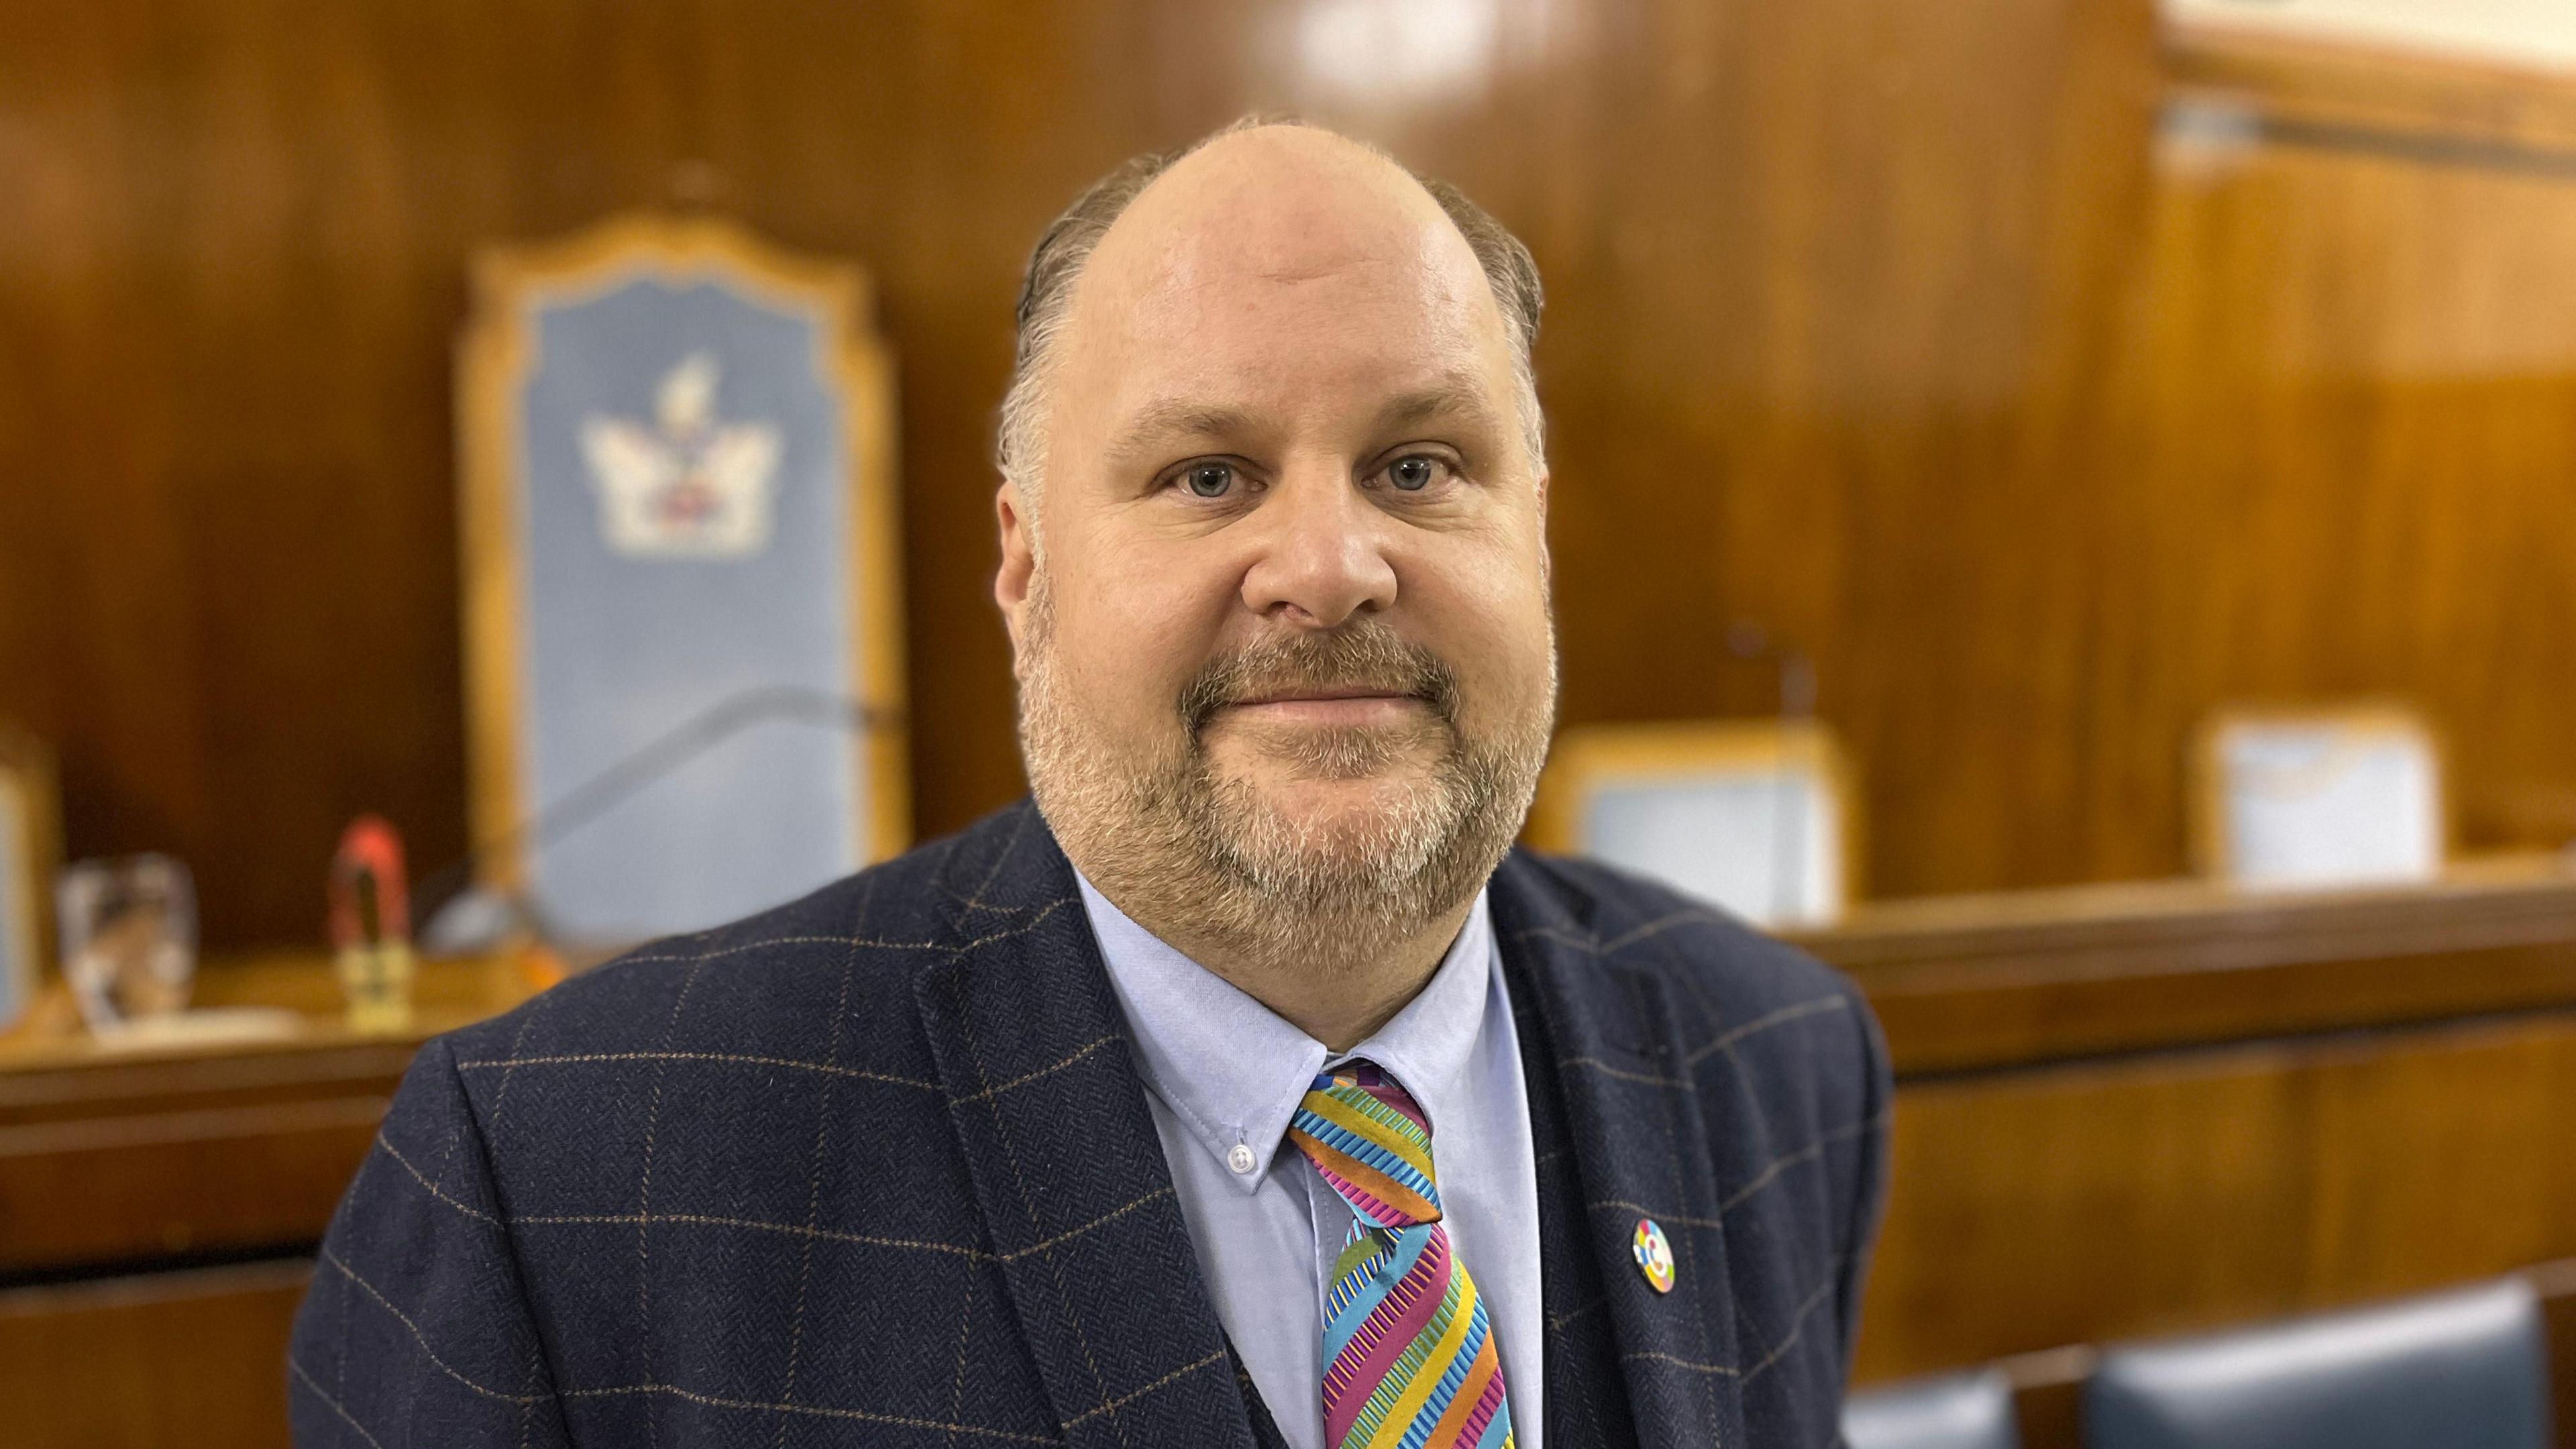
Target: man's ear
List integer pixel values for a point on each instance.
(1019, 561)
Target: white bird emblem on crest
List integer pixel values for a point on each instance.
(689, 485)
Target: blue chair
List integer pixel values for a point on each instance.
(1953, 1411)
(2462, 1370)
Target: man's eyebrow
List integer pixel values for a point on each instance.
(1454, 394)
(1182, 418)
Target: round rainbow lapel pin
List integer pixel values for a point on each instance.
(1654, 1255)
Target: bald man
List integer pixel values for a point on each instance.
(1248, 1087)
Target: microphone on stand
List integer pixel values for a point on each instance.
(1748, 640)
(473, 918)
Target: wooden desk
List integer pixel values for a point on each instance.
(1979, 982)
(2143, 1109)
(158, 1208)
(2120, 1111)
(187, 1357)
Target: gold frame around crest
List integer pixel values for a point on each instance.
(496, 352)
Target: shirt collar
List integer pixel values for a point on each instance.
(1233, 1071)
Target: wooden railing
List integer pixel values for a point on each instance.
(2121, 1111)
(2126, 1111)
(1985, 982)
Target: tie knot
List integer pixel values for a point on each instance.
(1371, 1141)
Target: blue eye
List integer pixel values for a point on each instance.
(1413, 474)
(1210, 480)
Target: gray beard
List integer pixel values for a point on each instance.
(1170, 841)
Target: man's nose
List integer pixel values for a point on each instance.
(1322, 552)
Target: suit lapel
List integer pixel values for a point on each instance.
(1587, 1396)
(1640, 1151)
(1062, 1157)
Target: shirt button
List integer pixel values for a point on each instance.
(1240, 1159)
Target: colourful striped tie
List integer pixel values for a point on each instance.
(1409, 1356)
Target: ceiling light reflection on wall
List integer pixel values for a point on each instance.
(1394, 55)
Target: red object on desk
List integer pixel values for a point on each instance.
(370, 904)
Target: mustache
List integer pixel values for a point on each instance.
(1364, 655)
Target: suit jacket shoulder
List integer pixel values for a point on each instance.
(708, 1186)
(824, 978)
(1647, 921)
(1787, 1020)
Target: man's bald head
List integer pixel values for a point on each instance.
(1242, 157)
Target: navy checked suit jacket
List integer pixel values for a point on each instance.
(875, 1168)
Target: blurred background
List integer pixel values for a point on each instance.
(2066, 507)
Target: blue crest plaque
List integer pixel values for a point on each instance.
(678, 509)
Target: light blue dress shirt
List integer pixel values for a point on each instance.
(1223, 1074)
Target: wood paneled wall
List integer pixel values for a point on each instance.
(1889, 326)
